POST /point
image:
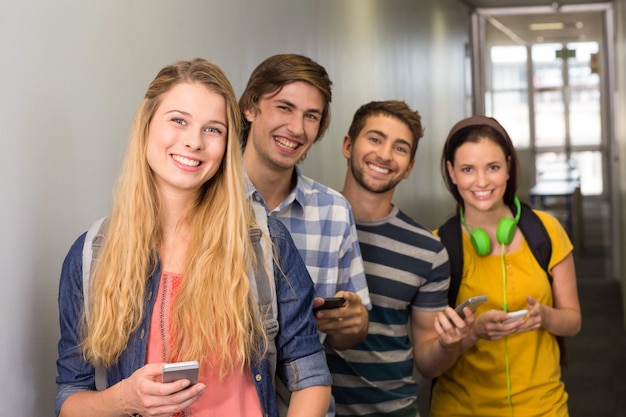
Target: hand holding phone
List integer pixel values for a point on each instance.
(330, 302)
(181, 370)
(473, 303)
(515, 315)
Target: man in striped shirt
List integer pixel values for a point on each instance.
(407, 274)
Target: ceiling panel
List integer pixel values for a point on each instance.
(578, 25)
(525, 3)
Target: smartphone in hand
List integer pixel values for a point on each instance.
(473, 303)
(515, 315)
(330, 302)
(181, 370)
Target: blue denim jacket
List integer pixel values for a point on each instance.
(301, 359)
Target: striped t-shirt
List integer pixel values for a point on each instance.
(406, 268)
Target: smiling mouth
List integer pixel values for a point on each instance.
(482, 193)
(186, 161)
(285, 143)
(379, 169)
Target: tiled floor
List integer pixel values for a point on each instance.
(596, 376)
(595, 379)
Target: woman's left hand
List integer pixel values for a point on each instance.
(535, 317)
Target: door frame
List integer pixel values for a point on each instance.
(480, 17)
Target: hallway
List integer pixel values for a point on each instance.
(595, 378)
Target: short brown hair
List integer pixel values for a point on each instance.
(393, 108)
(277, 71)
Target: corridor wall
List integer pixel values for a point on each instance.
(74, 72)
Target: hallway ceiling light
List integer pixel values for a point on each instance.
(547, 26)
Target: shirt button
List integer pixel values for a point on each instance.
(142, 334)
(150, 296)
(258, 377)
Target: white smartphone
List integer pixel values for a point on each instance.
(473, 303)
(515, 315)
(181, 370)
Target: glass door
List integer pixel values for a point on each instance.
(548, 97)
(547, 76)
(567, 110)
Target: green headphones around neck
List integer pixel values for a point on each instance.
(504, 232)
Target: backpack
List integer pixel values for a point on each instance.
(263, 287)
(533, 230)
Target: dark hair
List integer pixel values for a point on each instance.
(473, 129)
(393, 108)
(277, 71)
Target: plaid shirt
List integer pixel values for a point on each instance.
(322, 226)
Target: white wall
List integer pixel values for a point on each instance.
(73, 72)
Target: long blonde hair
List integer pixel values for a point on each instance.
(214, 312)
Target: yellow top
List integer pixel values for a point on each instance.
(477, 384)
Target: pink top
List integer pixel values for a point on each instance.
(236, 395)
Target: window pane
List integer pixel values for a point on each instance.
(587, 166)
(547, 162)
(549, 119)
(590, 165)
(548, 86)
(585, 128)
(508, 99)
(511, 110)
(547, 69)
(580, 66)
(508, 67)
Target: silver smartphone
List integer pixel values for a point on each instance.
(181, 370)
(473, 303)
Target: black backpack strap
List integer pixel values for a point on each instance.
(452, 239)
(541, 246)
(537, 236)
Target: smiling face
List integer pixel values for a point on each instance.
(284, 126)
(187, 138)
(380, 156)
(480, 172)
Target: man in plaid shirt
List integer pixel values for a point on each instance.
(286, 109)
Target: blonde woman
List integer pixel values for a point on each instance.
(171, 279)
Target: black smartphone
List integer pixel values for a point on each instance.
(330, 302)
(181, 370)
